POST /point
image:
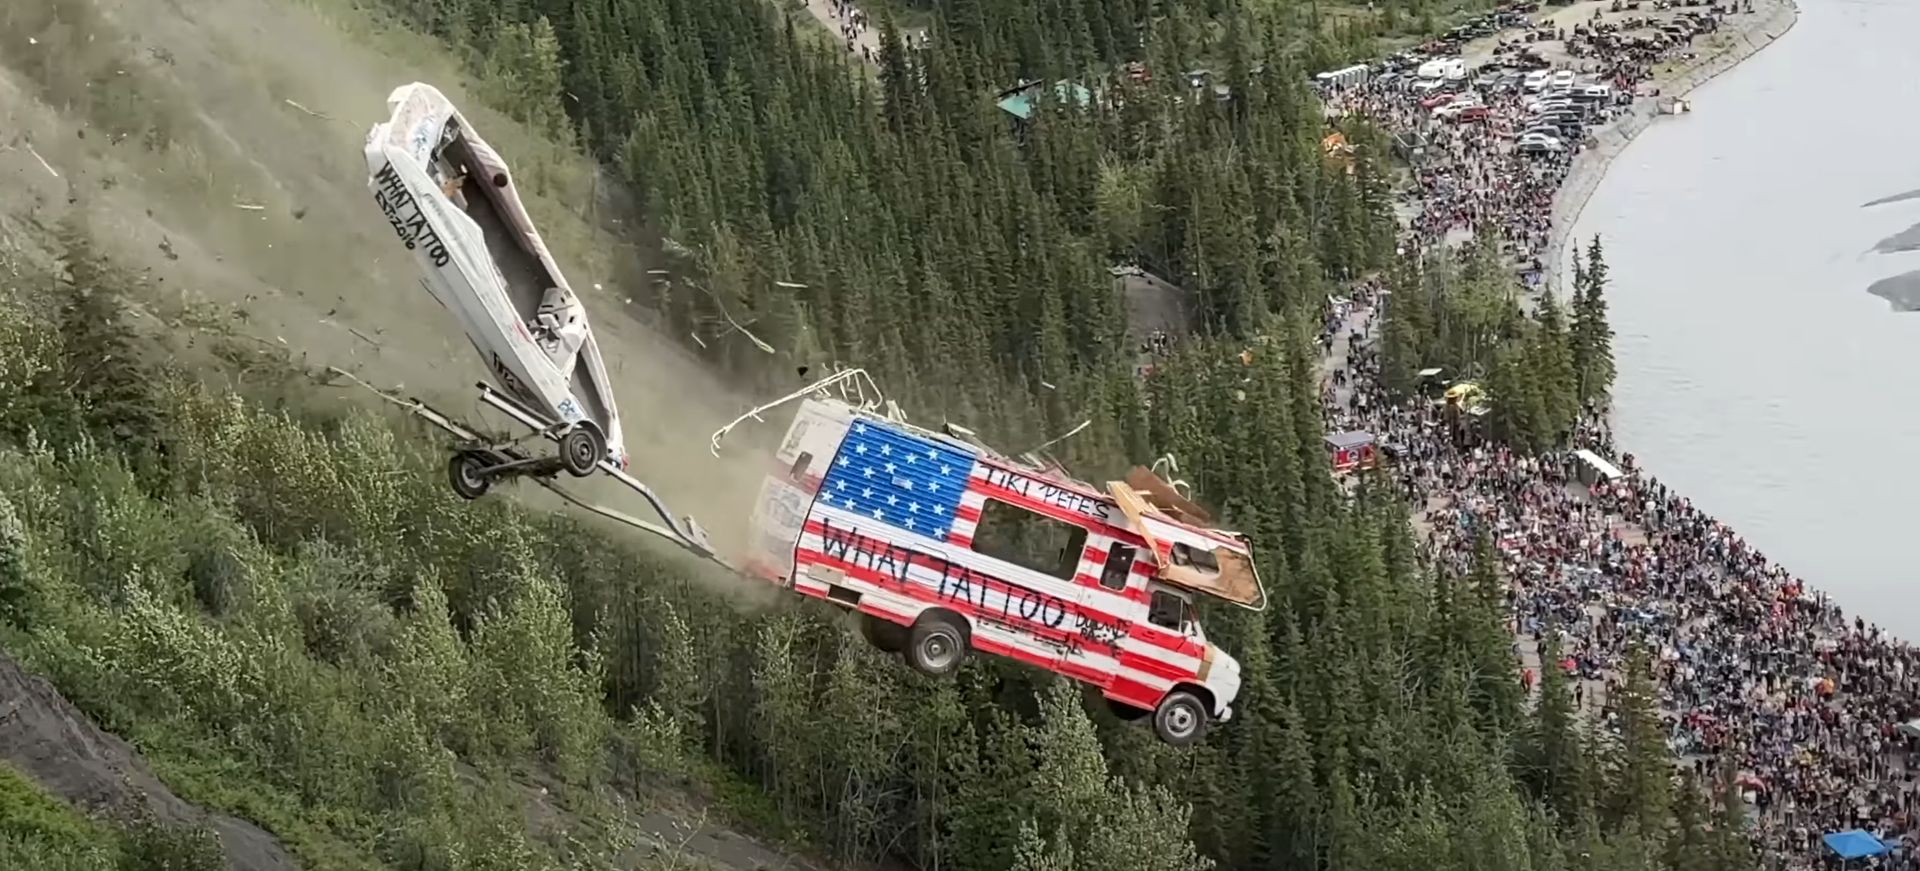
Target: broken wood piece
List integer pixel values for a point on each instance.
(309, 111)
(43, 161)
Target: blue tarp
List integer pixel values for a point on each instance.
(1857, 844)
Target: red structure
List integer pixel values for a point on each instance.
(1352, 450)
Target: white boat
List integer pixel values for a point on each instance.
(450, 199)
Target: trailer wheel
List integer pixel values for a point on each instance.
(581, 450)
(464, 473)
(885, 635)
(1180, 719)
(936, 645)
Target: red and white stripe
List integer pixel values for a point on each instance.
(1146, 658)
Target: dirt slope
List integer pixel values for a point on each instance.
(48, 739)
(217, 142)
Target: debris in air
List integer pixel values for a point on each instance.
(43, 161)
(321, 115)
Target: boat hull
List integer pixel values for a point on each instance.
(461, 246)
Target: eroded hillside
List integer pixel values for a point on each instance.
(213, 146)
(216, 144)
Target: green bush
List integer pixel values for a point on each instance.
(28, 816)
(152, 846)
(292, 618)
(39, 832)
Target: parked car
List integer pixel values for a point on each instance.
(1562, 118)
(1473, 113)
(1593, 93)
(1539, 143)
(1536, 80)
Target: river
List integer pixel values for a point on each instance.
(1757, 375)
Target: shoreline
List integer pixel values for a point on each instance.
(1771, 20)
(1757, 674)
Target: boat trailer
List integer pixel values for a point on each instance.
(479, 462)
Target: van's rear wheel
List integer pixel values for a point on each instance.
(884, 634)
(581, 449)
(936, 645)
(1180, 719)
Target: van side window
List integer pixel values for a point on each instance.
(1167, 611)
(1029, 540)
(1195, 557)
(800, 465)
(1119, 567)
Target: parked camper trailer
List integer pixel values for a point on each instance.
(1449, 68)
(1342, 79)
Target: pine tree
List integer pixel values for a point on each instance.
(99, 369)
(680, 688)
(1486, 641)
(1592, 334)
(1553, 370)
(16, 593)
(1731, 845)
(1552, 755)
(1641, 789)
(1031, 852)
(994, 796)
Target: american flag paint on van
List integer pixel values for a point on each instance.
(933, 539)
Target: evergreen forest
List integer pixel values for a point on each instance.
(376, 672)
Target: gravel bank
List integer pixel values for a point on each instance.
(1770, 20)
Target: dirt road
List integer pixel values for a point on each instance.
(865, 42)
(835, 18)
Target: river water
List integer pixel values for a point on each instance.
(1757, 375)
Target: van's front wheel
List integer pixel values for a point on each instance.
(1180, 719)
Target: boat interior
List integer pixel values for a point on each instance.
(525, 277)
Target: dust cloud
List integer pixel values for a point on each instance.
(216, 148)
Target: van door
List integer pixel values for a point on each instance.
(1099, 620)
(1162, 651)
